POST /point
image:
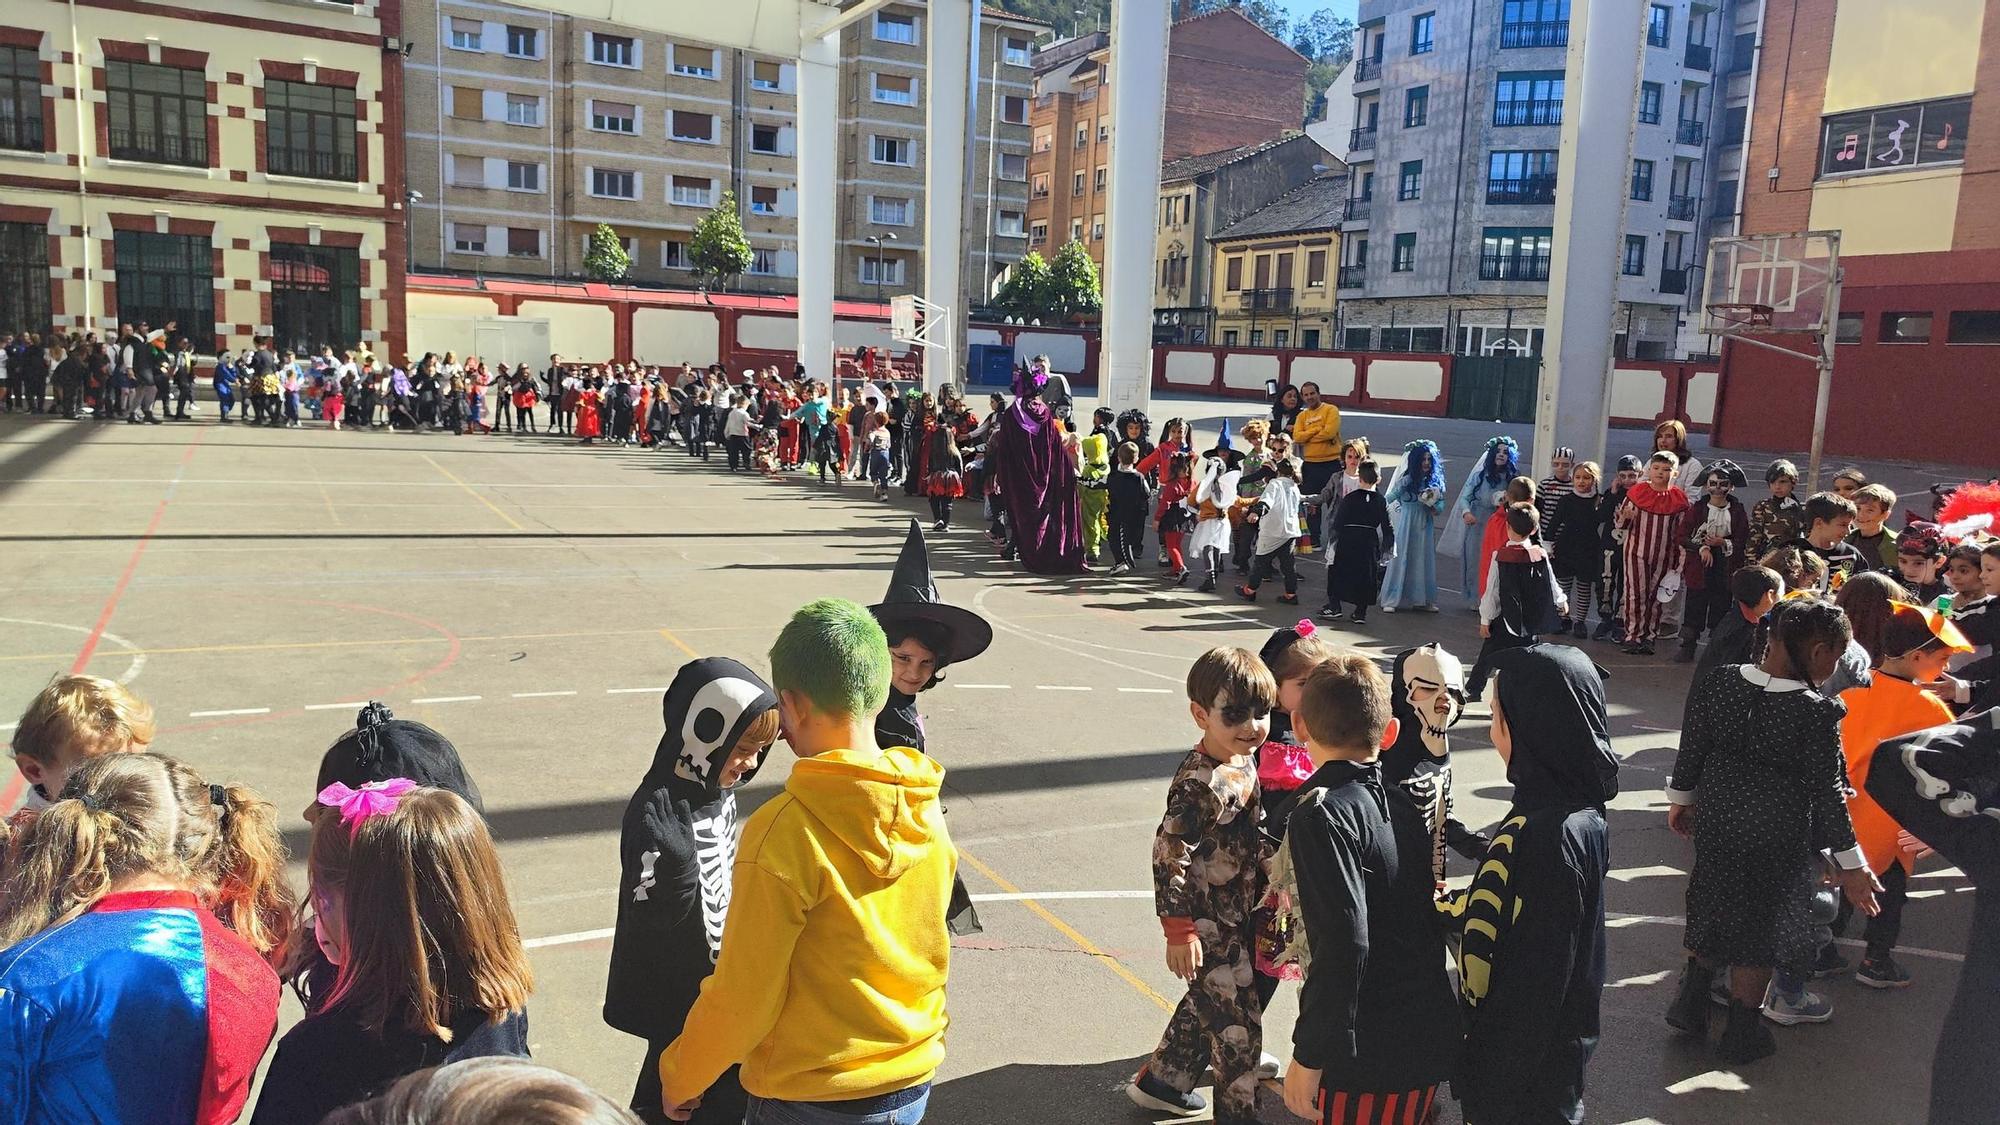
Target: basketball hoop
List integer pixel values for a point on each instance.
(1728, 316)
(906, 328)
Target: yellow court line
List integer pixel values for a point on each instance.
(679, 644)
(474, 493)
(1070, 932)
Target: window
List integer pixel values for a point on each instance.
(1420, 33)
(1659, 25)
(1416, 106)
(1403, 257)
(888, 211)
(1010, 223)
(1642, 180)
(1848, 329)
(1040, 189)
(1635, 255)
(895, 89)
(315, 295)
(468, 238)
(1528, 97)
(1173, 274)
(159, 114)
(468, 103)
(764, 139)
(1315, 269)
(1230, 336)
(1356, 338)
(1044, 140)
(524, 42)
(1076, 230)
(1973, 327)
(1525, 177)
(1014, 167)
(612, 50)
(1076, 185)
(166, 277)
(1097, 229)
(1895, 138)
(309, 131)
(764, 262)
(1904, 328)
(1101, 178)
(1650, 94)
(687, 126)
(1396, 339)
(466, 171)
(673, 255)
(522, 176)
(1735, 119)
(690, 191)
(524, 109)
(881, 271)
(763, 200)
(1014, 110)
(1410, 181)
(24, 274)
(1038, 234)
(465, 34)
(1082, 135)
(890, 150)
(1256, 337)
(1103, 129)
(1017, 51)
(1427, 339)
(766, 75)
(610, 184)
(694, 62)
(892, 27)
(614, 117)
(1309, 339)
(21, 105)
(1233, 274)
(1534, 23)
(1282, 338)
(524, 242)
(1515, 253)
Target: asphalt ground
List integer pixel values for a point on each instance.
(531, 597)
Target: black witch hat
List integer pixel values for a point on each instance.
(913, 596)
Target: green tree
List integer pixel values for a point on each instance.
(606, 260)
(1073, 287)
(719, 252)
(1026, 291)
(1267, 14)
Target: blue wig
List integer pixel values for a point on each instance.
(1502, 462)
(1408, 484)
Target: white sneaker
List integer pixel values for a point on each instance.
(1807, 1007)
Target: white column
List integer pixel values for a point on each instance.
(947, 79)
(819, 171)
(1138, 101)
(1600, 100)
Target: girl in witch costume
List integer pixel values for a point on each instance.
(1427, 697)
(676, 852)
(925, 636)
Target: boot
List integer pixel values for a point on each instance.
(1746, 1038)
(1689, 1012)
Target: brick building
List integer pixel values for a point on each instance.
(238, 171)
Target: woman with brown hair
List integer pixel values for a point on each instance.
(1671, 436)
(410, 906)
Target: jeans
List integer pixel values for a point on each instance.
(905, 1107)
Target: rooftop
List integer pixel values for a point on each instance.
(1200, 164)
(1315, 205)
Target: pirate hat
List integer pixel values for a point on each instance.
(913, 597)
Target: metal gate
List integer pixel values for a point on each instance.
(315, 296)
(1494, 387)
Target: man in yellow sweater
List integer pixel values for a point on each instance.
(830, 983)
(1316, 434)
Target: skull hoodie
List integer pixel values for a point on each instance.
(1427, 696)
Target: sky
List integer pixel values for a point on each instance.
(1299, 8)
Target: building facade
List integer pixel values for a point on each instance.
(1274, 269)
(232, 167)
(1458, 114)
(529, 129)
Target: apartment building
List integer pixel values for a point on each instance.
(1274, 269)
(1458, 114)
(1229, 84)
(529, 129)
(231, 167)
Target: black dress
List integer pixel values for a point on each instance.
(1363, 536)
(1760, 759)
(1572, 533)
(329, 1061)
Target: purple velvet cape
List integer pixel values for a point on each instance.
(1037, 479)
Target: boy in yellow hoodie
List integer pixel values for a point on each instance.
(830, 986)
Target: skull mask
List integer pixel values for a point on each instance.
(715, 717)
(1432, 694)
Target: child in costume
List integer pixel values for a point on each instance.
(1829, 517)
(1126, 508)
(1249, 486)
(676, 852)
(1522, 600)
(1427, 696)
(1210, 539)
(1483, 492)
(945, 480)
(1416, 500)
(1520, 490)
(1650, 517)
(1872, 535)
(1276, 515)
(1611, 538)
(70, 722)
(1362, 537)
(1092, 499)
(1576, 552)
(1920, 562)
(1173, 514)
(1558, 484)
(1715, 534)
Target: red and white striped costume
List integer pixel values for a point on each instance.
(1652, 551)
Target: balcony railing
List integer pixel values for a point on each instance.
(1691, 132)
(1514, 267)
(1368, 70)
(22, 132)
(1358, 209)
(1680, 208)
(310, 164)
(1700, 56)
(1352, 277)
(1532, 190)
(1528, 111)
(1674, 280)
(1535, 33)
(159, 148)
(1360, 140)
(1267, 300)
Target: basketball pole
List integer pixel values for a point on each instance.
(1824, 362)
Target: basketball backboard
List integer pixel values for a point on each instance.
(903, 318)
(1770, 284)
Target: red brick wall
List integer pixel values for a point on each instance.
(1229, 84)
(1791, 86)
(1978, 220)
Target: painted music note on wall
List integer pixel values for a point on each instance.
(1944, 142)
(1847, 151)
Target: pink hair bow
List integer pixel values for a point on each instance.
(1305, 628)
(374, 798)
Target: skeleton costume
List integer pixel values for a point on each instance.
(1427, 696)
(676, 850)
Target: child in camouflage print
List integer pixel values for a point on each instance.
(1208, 877)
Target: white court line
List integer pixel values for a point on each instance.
(333, 706)
(1060, 687)
(1147, 690)
(634, 690)
(984, 687)
(448, 699)
(8, 726)
(540, 694)
(567, 939)
(237, 711)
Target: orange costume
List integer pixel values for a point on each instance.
(586, 416)
(1888, 708)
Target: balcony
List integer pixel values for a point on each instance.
(159, 148)
(1680, 208)
(1528, 111)
(1358, 209)
(1674, 280)
(1690, 132)
(1513, 267)
(1528, 191)
(1361, 140)
(1267, 300)
(310, 164)
(1368, 70)
(1535, 33)
(20, 131)
(1700, 56)
(1352, 277)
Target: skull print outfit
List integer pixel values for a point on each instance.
(676, 851)
(1208, 877)
(1427, 696)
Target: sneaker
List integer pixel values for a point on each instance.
(1330, 613)
(1148, 1092)
(1388, 609)
(1829, 963)
(1688, 1013)
(1881, 972)
(1747, 1037)
(1360, 617)
(1288, 599)
(1120, 568)
(1581, 631)
(1429, 607)
(1685, 655)
(1207, 585)
(1806, 1007)
(1246, 593)
(1268, 1065)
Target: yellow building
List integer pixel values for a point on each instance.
(1273, 270)
(233, 166)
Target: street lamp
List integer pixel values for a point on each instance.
(411, 198)
(881, 263)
